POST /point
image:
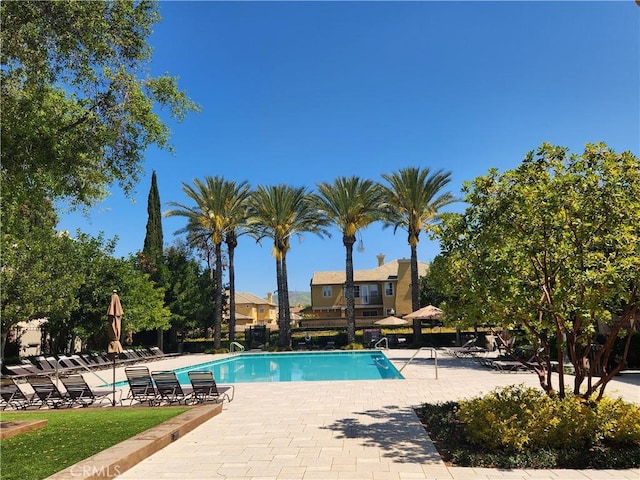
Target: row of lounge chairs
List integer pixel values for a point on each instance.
(156, 388)
(63, 364)
(46, 393)
(508, 366)
(153, 388)
(469, 349)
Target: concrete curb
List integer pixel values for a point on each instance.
(114, 461)
(11, 428)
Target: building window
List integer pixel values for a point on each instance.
(374, 297)
(388, 289)
(327, 291)
(261, 308)
(356, 291)
(369, 313)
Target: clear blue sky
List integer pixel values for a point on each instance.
(302, 92)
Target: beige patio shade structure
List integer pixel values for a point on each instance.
(114, 313)
(425, 313)
(390, 321)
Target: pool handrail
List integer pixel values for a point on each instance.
(236, 344)
(384, 340)
(434, 355)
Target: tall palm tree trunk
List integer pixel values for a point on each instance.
(281, 338)
(217, 320)
(232, 242)
(232, 297)
(286, 311)
(348, 241)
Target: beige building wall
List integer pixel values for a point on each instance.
(397, 273)
(261, 311)
(403, 288)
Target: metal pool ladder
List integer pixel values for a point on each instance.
(434, 355)
(234, 345)
(383, 340)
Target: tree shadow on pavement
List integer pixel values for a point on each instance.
(395, 430)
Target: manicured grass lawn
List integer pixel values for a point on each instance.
(71, 436)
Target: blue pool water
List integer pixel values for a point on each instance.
(297, 367)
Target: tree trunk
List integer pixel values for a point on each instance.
(217, 320)
(231, 246)
(348, 241)
(4, 334)
(285, 302)
(281, 333)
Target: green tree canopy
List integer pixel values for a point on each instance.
(188, 289)
(79, 108)
(552, 246)
(79, 105)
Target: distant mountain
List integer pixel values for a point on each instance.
(296, 298)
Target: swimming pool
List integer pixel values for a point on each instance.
(297, 367)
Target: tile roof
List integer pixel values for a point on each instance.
(387, 271)
(246, 297)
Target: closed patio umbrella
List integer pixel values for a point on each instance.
(114, 313)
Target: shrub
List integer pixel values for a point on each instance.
(619, 421)
(216, 350)
(448, 432)
(353, 346)
(517, 419)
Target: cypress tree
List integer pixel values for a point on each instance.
(153, 241)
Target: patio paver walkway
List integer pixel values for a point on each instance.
(344, 430)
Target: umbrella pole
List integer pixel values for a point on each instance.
(113, 400)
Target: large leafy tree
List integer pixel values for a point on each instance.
(78, 101)
(188, 286)
(351, 203)
(78, 110)
(101, 273)
(413, 199)
(281, 212)
(39, 279)
(82, 273)
(217, 210)
(142, 300)
(552, 247)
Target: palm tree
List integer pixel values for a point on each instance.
(220, 206)
(412, 201)
(351, 204)
(236, 225)
(280, 212)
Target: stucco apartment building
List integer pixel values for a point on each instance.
(379, 292)
(252, 310)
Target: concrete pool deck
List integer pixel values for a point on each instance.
(342, 430)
